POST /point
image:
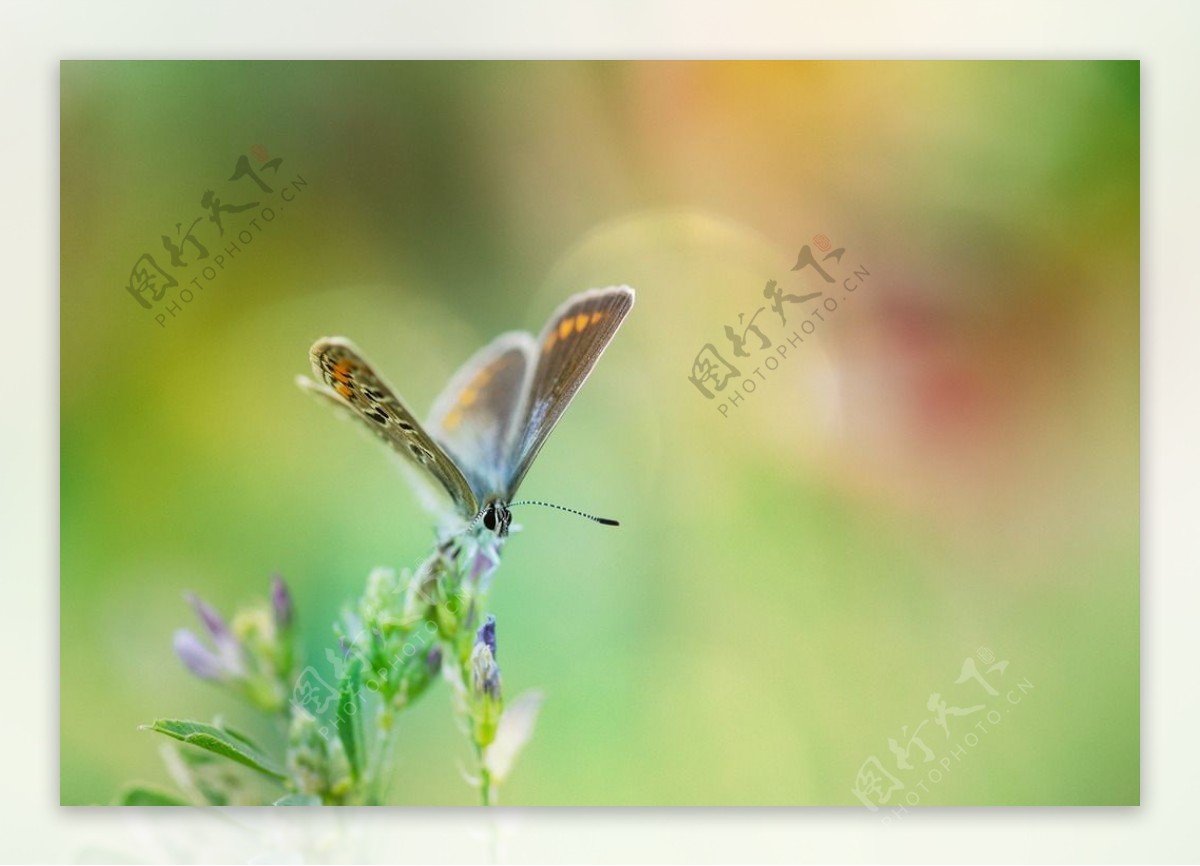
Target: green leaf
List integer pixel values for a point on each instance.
(349, 718)
(146, 795)
(298, 800)
(237, 735)
(220, 741)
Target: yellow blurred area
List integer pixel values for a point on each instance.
(946, 468)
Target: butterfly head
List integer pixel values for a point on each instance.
(496, 517)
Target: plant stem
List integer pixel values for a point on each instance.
(384, 739)
(485, 782)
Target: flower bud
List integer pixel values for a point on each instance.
(198, 658)
(485, 673)
(213, 621)
(253, 655)
(487, 701)
(225, 661)
(484, 563)
(316, 760)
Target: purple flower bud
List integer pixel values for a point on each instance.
(210, 618)
(281, 602)
(485, 673)
(483, 564)
(487, 634)
(198, 658)
(229, 649)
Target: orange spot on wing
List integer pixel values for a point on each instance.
(452, 420)
(581, 322)
(549, 344)
(596, 316)
(565, 327)
(344, 390)
(467, 397)
(343, 370)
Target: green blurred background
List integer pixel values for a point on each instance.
(950, 464)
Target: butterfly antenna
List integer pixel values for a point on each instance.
(478, 517)
(607, 521)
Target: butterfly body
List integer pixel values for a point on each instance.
(491, 420)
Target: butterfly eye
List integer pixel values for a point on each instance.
(489, 518)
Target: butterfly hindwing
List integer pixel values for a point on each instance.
(473, 416)
(569, 346)
(350, 382)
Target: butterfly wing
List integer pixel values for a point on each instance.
(473, 416)
(349, 382)
(569, 346)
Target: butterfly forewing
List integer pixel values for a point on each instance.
(349, 381)
(568, 348)
(473, 416)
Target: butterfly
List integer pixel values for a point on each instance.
(491, 420)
